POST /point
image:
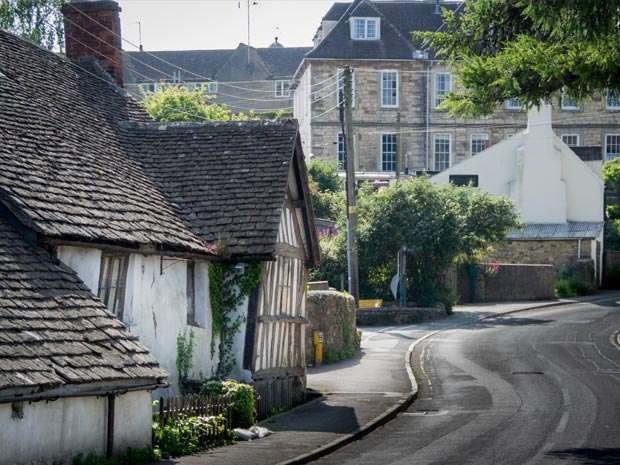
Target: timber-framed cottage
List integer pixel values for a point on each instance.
(110, 224)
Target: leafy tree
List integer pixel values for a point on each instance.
(439, 225)
(528, 49)
(176, 103)
(39, 21)
(326, 190)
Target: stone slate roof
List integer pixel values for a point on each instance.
(143, 66)
(53, 332)
(229, 179)
(398, 20)
(64, 170)
(570, 230)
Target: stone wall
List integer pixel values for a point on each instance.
(417, 114)
(512, 282)
(557, 253)
(332, 313)
(388, 316)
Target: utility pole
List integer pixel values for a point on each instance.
(346, 116)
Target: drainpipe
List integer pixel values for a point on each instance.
(578, 249)
(428, 113)
(109, 450)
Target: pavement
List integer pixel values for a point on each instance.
(358, 395)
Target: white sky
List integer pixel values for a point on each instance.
(214, 24)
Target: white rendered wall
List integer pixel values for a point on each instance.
(54, 432)
(156, 311)
(546, 180)
(85, 261)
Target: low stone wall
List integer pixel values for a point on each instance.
(332, 313)
(512, 282)
(387, 316)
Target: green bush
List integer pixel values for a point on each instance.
(240, 396)
(571, 286)
(130, 457)
(188, 435)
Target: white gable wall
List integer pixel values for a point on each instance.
(545, 179)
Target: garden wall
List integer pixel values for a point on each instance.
(332, 313)
(387, 316)
(512, 282)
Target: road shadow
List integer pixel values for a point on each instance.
(588, 456)
(317, 416)
(349, 363)
(507, 321)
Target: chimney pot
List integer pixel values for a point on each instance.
(93, 29)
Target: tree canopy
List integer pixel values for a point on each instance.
(326, 189)
(39, 21)
(439, 225)
(176, 103)
(528, 50)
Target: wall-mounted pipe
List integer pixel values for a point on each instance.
(109, 449)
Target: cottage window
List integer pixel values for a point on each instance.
(341, 153)
(479, 143)
(283, 88)
(340, 74)
(389, 89)
(514, 104)
(365, 28)
(442, 146)
(147, 87)
(568, 102)
(612, 146)
(191, 293)
(212, 87)
(443, 87)
(612, 101)
(112, 282)
(572, 140)
(388, 152)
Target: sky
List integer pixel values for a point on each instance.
(216, 24)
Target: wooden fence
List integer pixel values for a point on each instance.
(196, 405)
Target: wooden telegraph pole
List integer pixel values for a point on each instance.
(346, 115)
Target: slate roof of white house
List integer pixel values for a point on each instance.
(570, 230)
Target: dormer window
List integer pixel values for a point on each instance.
(365, 29)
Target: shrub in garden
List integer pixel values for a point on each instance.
(571, 286)
(130, 457)
(239, 395)
(188, 435)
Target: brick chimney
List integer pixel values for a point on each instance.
(93, 30)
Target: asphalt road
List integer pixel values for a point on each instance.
(539, 387)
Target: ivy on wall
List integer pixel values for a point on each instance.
(229, 285)
(185, 353)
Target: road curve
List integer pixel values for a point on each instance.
(538, 387)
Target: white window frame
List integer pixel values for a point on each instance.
(607, 137)
(113, 282)
(146, 87)
(440, 96)
(566, 136)
(572, 106)
(340, 93)
(212, 87)
(616, 95)
(383, 89)
(435, 161)
(381, 153)
(377, 21)
(282, 88)
(340, 144)
(514, 104)
(480, 136)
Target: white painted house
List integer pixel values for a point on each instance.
(558, 196)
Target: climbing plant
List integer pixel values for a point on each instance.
(185, 352)
(229, 285)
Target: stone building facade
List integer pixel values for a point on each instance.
(396, 92)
